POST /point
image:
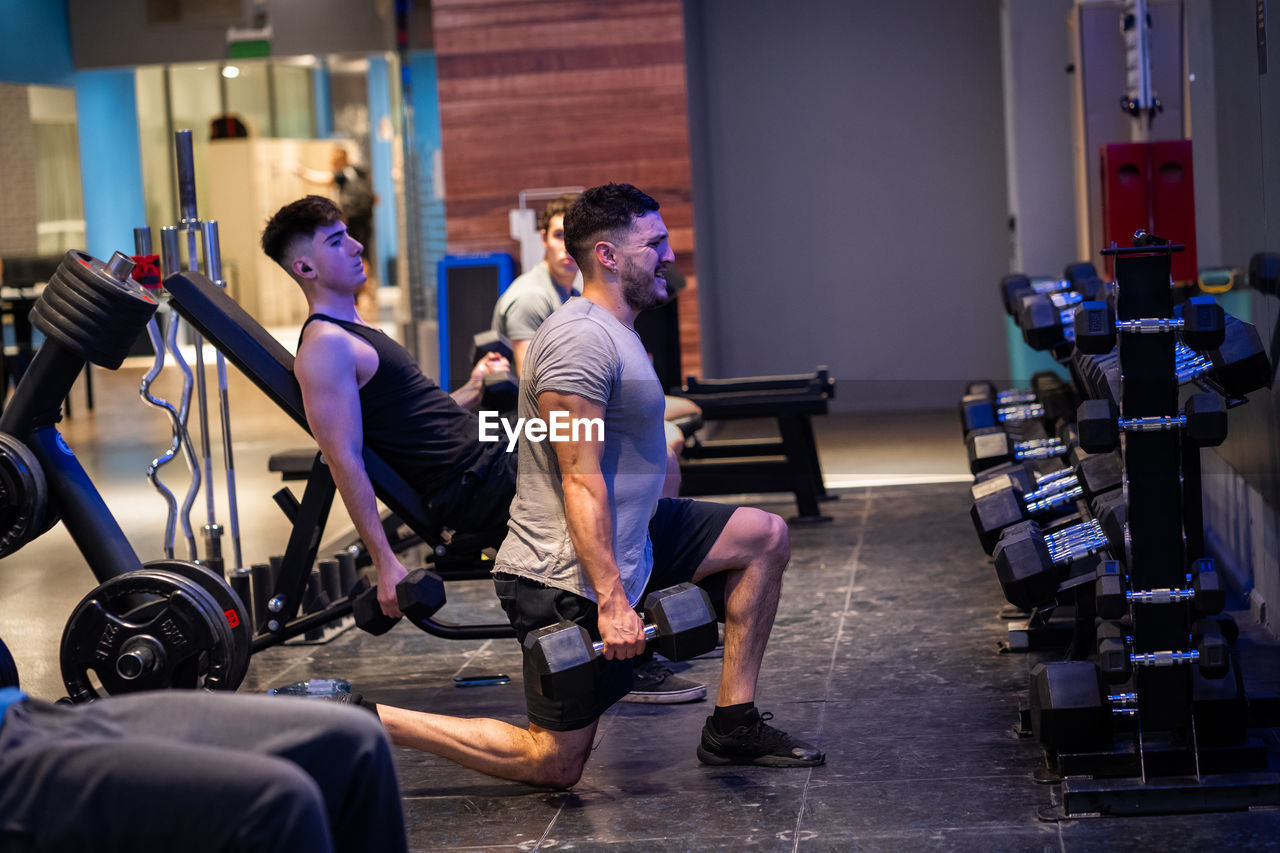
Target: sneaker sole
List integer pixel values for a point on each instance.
(713, 759)
(671, 697)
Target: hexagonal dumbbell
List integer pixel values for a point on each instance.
(1001, 505)
(1099, 423)
(489, 341)
(681, 623)
(1201, 325)
(420, 594)
(1029, 562)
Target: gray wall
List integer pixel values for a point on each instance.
(849, 192)
(1038, 127)
(1242, 483)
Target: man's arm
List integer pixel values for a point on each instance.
(327, 374)
(469, 395)
(518, 349)
(313, 176)
(586, 509)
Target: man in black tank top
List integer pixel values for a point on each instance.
(360, 388)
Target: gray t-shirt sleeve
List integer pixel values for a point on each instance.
(525, 314)
(582, 360)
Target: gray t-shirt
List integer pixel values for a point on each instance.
(527, 302)
(582, 349)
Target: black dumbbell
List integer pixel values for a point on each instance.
(1049, 399)
(1112, 596)
(500, 392)
(993, 446)
(1264, 272)
(999, 506)
(419, 594)
(681, 625)
(1201, 325)
(1211, 651)
(489, 341)
(1099, 424)
(1029, 561)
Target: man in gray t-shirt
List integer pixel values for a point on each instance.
(584, 351)
(589, 536)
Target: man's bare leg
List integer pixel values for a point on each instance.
(535, 755)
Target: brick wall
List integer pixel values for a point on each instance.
(17, 173)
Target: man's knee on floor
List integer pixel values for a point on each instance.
(559, 762)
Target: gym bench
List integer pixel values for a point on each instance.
(788, 463)
(267, 364)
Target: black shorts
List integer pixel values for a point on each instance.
(479, 502)
(682, 531)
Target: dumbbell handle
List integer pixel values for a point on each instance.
(1083, 532)
(650, 632)
(1149, 325)
(1083, 529)
(1023, 412)
(1056, 498)
(1066, 299)
(1153, 424)
(1046, 483)
(1076, 551)
(1160, 596)
(1015, 396)
(1172, 658)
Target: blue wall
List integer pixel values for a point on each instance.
(380, 157)
(110, 160)
(35, 42)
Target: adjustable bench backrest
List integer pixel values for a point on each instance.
(259, 356)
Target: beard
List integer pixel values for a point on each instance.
(639, 289)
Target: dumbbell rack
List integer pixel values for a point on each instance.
(1179, 741)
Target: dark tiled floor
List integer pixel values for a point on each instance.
(885, 653)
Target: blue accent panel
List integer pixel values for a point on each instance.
(35, 43)
(110, 160)
(1236, 302)
(506, 267)
(1024, 361)
(323, 101)
(380, 154)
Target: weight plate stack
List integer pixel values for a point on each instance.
(96, 311)
(23, 495)
(8, 669)
(151, 629)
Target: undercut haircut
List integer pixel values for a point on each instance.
(558, 206)
(602, 212)
(298, 220)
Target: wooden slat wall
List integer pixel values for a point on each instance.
(552, 93)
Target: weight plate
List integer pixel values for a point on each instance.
(125, 301)
(8, 669)
(105, 339)
(176, 637)
(231, 605)
(88, 274)
(23, 495)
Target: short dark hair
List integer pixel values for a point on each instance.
(298, 219)
(558, 206)
(601, 210)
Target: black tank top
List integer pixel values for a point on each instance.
(409, 420)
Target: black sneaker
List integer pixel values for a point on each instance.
(656, 684)
(756, 743)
